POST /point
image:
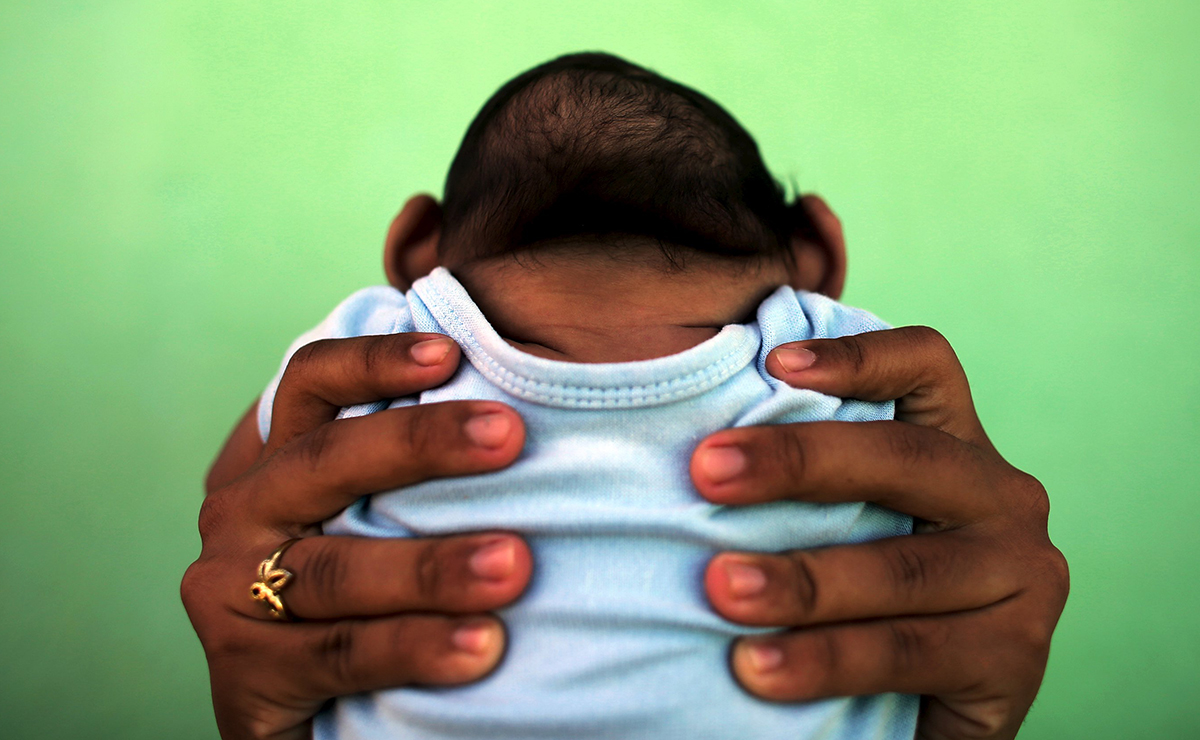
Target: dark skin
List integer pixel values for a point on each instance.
(961, 613)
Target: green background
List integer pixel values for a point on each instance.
(184, 187)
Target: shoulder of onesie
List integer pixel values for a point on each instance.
(379, 309)
(790, 315)
(830, 318)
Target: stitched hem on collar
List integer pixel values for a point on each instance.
(583, 385)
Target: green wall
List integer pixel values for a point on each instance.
(186, 186)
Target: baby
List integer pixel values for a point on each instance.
(615, 261)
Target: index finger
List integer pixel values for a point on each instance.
(912, 365)
(323, 377)
(320, 473)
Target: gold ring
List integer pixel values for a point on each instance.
(271, 581)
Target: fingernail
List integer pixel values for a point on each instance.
(794, 359)
(474, 637)
(721, 464)
(764, 657)
(744, 579)
(494, 561)
(489, 430)
(430, 351)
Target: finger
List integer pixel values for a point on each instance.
(920, 574)
(353, 656)
(320, 473)
(323, 377)
(323, 660)
(911, 469)
(931, 655)
(913, 365)
(343, 577)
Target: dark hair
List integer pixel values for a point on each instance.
(590, 145)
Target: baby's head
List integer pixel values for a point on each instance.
(589, 148)
(591, 157)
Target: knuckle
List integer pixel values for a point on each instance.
(942, 362)
(909, 445)
(325, 569)
(418, 434)
(336, 651)
(374, 355)
(854, 352)
(306, 368)
(193, 590)
(222, 643)
(1035, 495)
(311, 450)
(803, 591)
(909, 570)
(1035, 636)
(407, 429)
(309, 458)
(1060, 571)
(795, 454)
(907, 646)
(212, 515)
(306, 356)
(301, 364)
(208, 616)
(930, 339)
(428, 573)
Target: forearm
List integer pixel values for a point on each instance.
(241, 449)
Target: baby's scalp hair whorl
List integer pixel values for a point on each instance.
(590, 145)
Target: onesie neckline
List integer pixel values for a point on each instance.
(583, 385)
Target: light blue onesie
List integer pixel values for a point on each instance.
(614, 637)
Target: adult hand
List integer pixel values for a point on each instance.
(353, 597)
(961, 612)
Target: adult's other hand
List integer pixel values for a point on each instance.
(372, 613)
(961, 612)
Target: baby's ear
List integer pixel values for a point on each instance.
(818, 254)
(411, 249)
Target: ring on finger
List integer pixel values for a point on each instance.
(272, 579)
